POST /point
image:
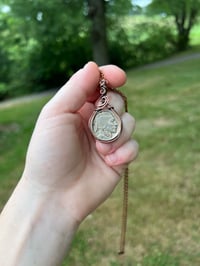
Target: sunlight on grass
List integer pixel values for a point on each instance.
(164, 192)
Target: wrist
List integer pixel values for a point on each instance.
(48, 200)
(36, 224)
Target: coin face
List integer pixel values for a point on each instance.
(105, 125)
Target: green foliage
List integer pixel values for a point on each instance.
(3, 91)
(155, 38)
(185, 13)
(4, 56)
(117, 8)
(142, 41)
(171, 7)
(43, 42)
(52, 42)
(49, 41)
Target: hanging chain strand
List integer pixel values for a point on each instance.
(125, 185)
(124, 214)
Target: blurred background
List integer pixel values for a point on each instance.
(42, 43)
(157, 42)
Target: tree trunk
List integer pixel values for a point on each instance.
(183, 41)
(96, 13)
(184, 24)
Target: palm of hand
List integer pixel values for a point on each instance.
(63, 147)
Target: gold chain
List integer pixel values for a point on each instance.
(124, 214)
(125, 185)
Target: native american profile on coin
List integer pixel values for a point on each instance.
(106, 125)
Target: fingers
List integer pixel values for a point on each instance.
(116, 101)
(123, 150)
(82, 86)
(114, 81)
(124, 155)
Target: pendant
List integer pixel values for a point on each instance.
(105, 124)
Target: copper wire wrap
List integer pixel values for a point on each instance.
(125, 185)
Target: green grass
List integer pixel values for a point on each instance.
(164, 191)
(16, 125)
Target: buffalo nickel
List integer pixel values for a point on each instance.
(105, 125)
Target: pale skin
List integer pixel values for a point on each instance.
(67, 173)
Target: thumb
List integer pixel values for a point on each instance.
(72, 96)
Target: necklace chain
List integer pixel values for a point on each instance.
(103, 90)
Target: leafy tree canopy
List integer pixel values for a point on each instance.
(185, 13)
(43, 42)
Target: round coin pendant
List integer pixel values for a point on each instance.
(105, 125)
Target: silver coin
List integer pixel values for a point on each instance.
(105, 125)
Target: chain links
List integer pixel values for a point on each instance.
(102, 84)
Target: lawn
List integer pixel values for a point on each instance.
(164, 191)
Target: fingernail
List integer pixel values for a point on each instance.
(86, 65)
(90, 62)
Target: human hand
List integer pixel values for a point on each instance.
(63, 159)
